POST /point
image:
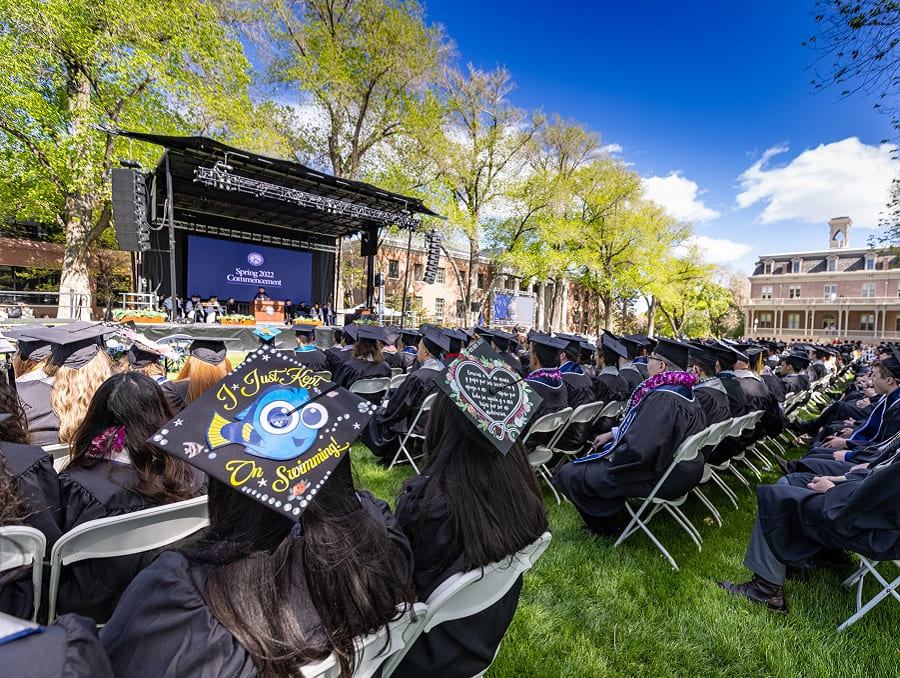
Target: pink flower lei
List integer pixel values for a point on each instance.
(671, 378)
(107, 443)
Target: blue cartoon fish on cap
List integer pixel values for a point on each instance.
(280, 424)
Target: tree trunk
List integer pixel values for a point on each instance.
(651, 316)
(607, 311)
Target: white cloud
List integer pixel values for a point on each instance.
(678, 196)
(720, 250)
(846, 177)
(611, 148)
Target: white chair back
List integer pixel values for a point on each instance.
(612, 409)
(323, 373)
(411, 433)
(124, 535)
(397, 379)
(60, 452)
(371, 387)
(396, 370)
(551, 422)
(717, 432)
(21, 546)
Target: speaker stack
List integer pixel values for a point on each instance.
(129, 201)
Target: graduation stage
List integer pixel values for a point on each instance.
(238, 337)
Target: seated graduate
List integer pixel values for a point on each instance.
(392, 420)
(78, 364)
(726, 357)
(807, 520)
(113, 471)
(793, 371)
(644, 346)
(627, 369)
(306, 352)
(586, 358)
(145, 360)
(477, 502)
(366, 361)
(545, 377)
(406, 357)
(292, 567)
(266, 335)
(579, 389)
(336, 355)
(660, 414)
(457, 339)
(30, 357)
(708, 390)
(773, 421)
(817, 369)
(206, 364)
(503, 343)
(774, 384)
(608, 383)
(29, 495)
(863, 444)
(67, 648)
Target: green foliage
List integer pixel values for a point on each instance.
(119, 313)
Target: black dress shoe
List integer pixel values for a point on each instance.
(759, 591)
(782, 464)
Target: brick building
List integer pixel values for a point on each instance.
(839, 292)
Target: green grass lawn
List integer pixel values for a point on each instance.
(588, 609)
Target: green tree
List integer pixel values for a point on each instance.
(71, 69)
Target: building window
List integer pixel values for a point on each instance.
(832, 264)
(481, 281)
(460, 311)
(393, 269)
(418, 272)
(439, 310)
(870, 263)
(576, 318)
(764, 320)
(765, 292)
(830, 292)
(868, 290)
(767, 267)
(867, 322)
(439, 278)
(795, 266)
(793, 321)
(828, 322)
(794, 292)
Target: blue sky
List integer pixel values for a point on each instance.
(709, 101)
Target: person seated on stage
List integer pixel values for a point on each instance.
(212, 309)
(113, 471)
(807, 520)
(206, 364)
(78, 364)
(627, 368)
(306, 351)
(632, 458)
(457, 339)
(29, 495)
(336, 355)
(266, 335)
(316, 312)
(290, 312)
(406, 357)
(261, 295)
(30, 357)
(608, 383)
(793, 372)
(392, 420)
(68, 648)
(230, 306)
(269, 585)
(194, 309)
(839, 452)
(473, 505)
(146, 360)
(303, 310)
(366, 361)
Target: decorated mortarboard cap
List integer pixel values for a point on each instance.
(270, 429)
(674, 352)
(371, 332)
(209, 349)
(436, 339)
(609, 342)
(267, 333)
(75, 345)
(546, 340)
(307, 330)
(493, 398)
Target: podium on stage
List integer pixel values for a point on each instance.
(268, 311)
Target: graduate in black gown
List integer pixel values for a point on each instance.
(586, 358)
(306, 351)
(392, 420)
(608, 383)
(708, 390)
(458, 339)
(503, 343)
(287, 572)
(793, 372)
(473, 505)
(579, 389)
(113, 471)
(207, 362)
(759, 398)
(632, 458)
(336, 355)
(406, 357)
(67, 648)
(627, 369)
(366, 361)
(31, 355)
(737, 400)
(546, 379)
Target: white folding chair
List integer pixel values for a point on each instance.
(612, 409)
(124, 535)
(396, 371)
(717, 433)
(869, 566)
(397, 379)
(60, 452)
(411, 433)
(21, 546)
(553, 423)
(370, 388)
(688, 450)
(323, 373)
(467, 593)
(583, 414)
(376, 649)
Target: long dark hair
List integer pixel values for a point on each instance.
(14, 429)
(135, 401)
(250, 563)
(494, 500)
(367, 349)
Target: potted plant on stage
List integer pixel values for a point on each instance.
(138, 315)
(236, 319)
(308, 321)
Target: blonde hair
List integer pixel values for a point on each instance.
(24, 365)
(202, 375)
(73, 389)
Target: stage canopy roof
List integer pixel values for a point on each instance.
(233, 192)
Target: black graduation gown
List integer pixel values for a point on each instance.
(164, 627)
(632, 377)
(356, 369)
(38, 484)
(514, 363)
(738, 405)
(642, 369)
(175, 393)
(402, 360)
(775, 386)
(334, 356)
(93, 587)
(652, 432)
(555, 398)
(773, 420)
(609, 387)
(579, 391)
(43, 424)
(795, 382)
(817, 371)
(314, 360)
(68, 648)
(455, 649)
(860, 515)
(713, 400)
(389, 423)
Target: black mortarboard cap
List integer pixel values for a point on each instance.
(271, 429)
(892, 363)
(436, 339)
(371, 332)
(76, 344)
(28, 346)
(496, 400)
(209, 349)
(140, 356)
(410, 335)
(673, 351)
(307, 330)
(798, 356)
(631, 346)
(542, 339)
(349, 334)
(704, 353)
(609, 341)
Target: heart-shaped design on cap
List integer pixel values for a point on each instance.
(493, 393)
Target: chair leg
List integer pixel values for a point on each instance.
(732, 497)
(685, 524)
(739, 476)
(888, 589)
(708, 504)
(752, 468)
(639, 524)
(544, 473)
